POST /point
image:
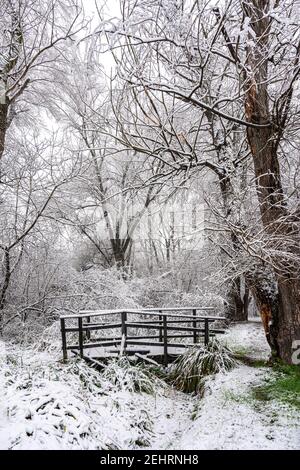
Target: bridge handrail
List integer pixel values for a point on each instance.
(150, 312)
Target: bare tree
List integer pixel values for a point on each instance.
(115, 193)
(31, 34)
(32, 37)
(33, 178)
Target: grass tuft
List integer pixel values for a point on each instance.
(190, 369)
(125, 375)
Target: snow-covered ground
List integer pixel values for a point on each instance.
(45, 404)
(248, 339)
(227, 417)
(226, 420)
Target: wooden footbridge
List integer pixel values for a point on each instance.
(155, 333)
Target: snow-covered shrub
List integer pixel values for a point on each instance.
(46, 409)
(68, 292)
(50, 416)
(190, 369)
(203, 299)
(90, 378)
(51, 405)
(125, 375)
(188, 380)
(50, 340)
(151, 290)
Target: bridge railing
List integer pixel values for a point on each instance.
(167, 324)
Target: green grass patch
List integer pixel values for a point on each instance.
(284, 386)
(245, 399)
(251, 362)
(240, 351)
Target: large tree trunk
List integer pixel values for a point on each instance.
(263, 142)
(246, 301)
(3, 125)
(280, 317)
(122, 249)
(263, 286)
(5, 285)
(287, 328)
(234, 307)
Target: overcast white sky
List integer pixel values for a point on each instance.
(110, 6)
(110, 9)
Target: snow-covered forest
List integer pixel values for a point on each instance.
(149, 159)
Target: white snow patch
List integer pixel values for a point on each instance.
(247, 338)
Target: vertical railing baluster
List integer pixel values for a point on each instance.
(80, 335)
(206, 331)
(124, 328)
(160, 329)
(165, 340)
(194, 326)
(88, 332)
(64, 339)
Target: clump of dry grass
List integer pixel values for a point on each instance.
(189, 371)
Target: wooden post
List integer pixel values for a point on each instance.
(160, 329)
(124, 328)
(195, 326)
(88, 333)
(122, 347)
(80, 336)
(165, 340)
(206, 331)
(64, 339)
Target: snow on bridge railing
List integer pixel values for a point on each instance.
(146, 311)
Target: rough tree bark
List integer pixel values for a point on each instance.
(264, 289)
(234, 308)
(5, 284)
(3, 124)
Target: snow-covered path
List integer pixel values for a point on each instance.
(171, 418)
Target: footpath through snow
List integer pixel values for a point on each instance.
(47, 405)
